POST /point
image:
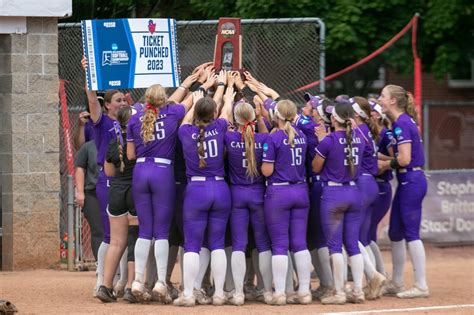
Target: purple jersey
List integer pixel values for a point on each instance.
(289, 162)
(405, 130)
(165, 132)
(334, 150)
(237, 160)
(307, 126)
(369, 158)
(88, 131)
(104, 131)
(384, 144)
(213, 148)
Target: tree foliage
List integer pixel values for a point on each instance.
(355, 28)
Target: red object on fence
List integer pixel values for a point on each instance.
(66, 129)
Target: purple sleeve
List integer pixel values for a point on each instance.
(221, 125)
(324, 147)
(88, 132)
(183, 131)
(269, 151)
(402, 133)
(267, 124)
(130, 137)
(179, 110)
(269, 104)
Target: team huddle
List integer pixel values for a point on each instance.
(253, 189)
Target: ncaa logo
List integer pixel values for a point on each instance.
(397, 131)
(228, 30)
(265, 147)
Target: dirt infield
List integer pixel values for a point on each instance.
(450, 277)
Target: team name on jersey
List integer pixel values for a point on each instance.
(161, 116)
(209, 133)
(241, 145)
(354, 140)
(296, 141)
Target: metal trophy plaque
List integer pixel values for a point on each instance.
(228, 49)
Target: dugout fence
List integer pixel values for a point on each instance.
(283, 53)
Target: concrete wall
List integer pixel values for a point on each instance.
(29, 146)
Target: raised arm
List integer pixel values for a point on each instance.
(179, 94)
(226, 112)
(188, 119)
(221, 82)
(94, 105)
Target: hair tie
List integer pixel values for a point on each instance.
(250, 124)
(151, 107)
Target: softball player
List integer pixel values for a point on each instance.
(245, 149)
(382, 203)
(287, 202)
(405, 216)
(103, 134)
(151, 137)
(308, 122)
(338, 161)
(119, 207)
(207, 201)
(369, 191)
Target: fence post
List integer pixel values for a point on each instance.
(70, 223)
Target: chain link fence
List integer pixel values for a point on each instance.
(283, 53)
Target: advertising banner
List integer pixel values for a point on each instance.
(130, 53)
(448, 208)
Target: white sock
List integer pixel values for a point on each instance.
(303, 269)
(161, 258)
(316, 264)
(368, 249)
(289, 285)
(142, 249)
(379, 265)
(345, 265)
(399, 256)
(124, 267)
(369, 268)
(260, 284)
(190, 271)
(265, 266)
(181, 265)
(238, 271)
(357, 267)
(229, 278)
(280, 270)
(338, 271)
(323, 254)
(418, 259)
(151, 275)
(218, 267)
(204, 258)
(100, 263)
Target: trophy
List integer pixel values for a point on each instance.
(228, 49)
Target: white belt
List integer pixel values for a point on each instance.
(366, 174)
(204, 178)
(379, 180)
(285, 183)
(405, 170)
(156, 160)
(315, 178)
(330, 183)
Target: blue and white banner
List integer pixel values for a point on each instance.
(130, 53)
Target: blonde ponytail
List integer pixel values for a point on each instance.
(148, 124)
(249, 139)
(411, 108)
